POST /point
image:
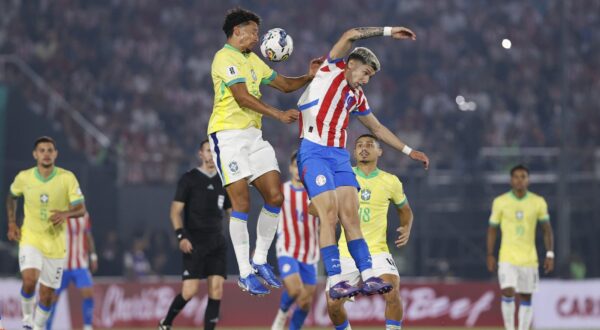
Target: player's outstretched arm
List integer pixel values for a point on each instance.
(14, 232)
(343, 45)
(246, 100)
(291, 84)
(405, 214)
(384, 134)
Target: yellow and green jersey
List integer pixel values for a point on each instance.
(42, 196)
(377, 191)
(230, 66)
(517, 219)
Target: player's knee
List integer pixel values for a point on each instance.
(189, 291)
(508, 292)
(305, 301)
(525, 297)
(215, 292)
(29, 283)
(392, 297)
(241, 205)
(294, 292)
(274, 197)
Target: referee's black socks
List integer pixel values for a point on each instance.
(211, 316)
(176, 306)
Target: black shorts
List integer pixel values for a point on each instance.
(208, 257)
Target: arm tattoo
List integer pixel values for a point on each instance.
(367, 32)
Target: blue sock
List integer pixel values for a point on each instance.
(393, 324)
(331, 259)
(360, 253)
(342, 326)
(286, 301)
(298, 319)
(88, 310)
(50, 317)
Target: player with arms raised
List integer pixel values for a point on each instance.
(241, 154)
(326, 105)
(517, 213)
(377, 190)
(51, 196)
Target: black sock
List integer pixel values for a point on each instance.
(211, 316)
(176, 306)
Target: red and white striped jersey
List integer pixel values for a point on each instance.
(298, 231)
(326, 105)
(77, 246)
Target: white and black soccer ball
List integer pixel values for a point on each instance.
(276, 45)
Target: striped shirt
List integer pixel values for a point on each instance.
(326, 105)
(298, 231)
(77, 245)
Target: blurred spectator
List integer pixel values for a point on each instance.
(577, 267)
(110, 255)
(135, 260)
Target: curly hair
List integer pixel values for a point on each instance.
(238, 16)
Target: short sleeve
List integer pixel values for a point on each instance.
(16, 188)
(363, 108)
(543, 215)
(496, 216)
(75, 193)
(183, 191)
(228, 69)
(398, 197)
(267, 75)
(227, 203)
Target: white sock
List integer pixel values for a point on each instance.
(41, 318)
(27, 307)
(367, 274)
(525, 316)
(335, 279)
(265, 232)
(87, 327)
(508, 312)
(279, 322)
(238, 230)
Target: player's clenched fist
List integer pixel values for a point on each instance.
(289, 116)
(400, 32)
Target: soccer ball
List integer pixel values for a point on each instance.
(276, 45)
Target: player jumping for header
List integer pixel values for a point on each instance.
(326, 105)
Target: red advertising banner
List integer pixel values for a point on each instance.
(135, 304)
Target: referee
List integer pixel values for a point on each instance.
(202, 198)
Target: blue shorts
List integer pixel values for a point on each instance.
(324, 168)
(81, 277)
(289, 266)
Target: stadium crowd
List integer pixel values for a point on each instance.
(140, 71)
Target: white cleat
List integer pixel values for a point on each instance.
(279, 322)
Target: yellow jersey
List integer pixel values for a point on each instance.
(42, 196)
(377, 190)
(230, 66)
(517, 219)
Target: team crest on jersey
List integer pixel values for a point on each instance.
(365, 194)
(233, 167)
(253, 74)
(44, 198)
(519, 215)
(320, 180)
(232, 71)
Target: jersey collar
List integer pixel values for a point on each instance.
(39, 176)
(512, 193)
(363, 175)
(230, 47)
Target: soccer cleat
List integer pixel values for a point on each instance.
(162, 326)
(375, 285)
(252, 284)
(343, 290)
(266, 272)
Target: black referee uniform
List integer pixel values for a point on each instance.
(205, 200)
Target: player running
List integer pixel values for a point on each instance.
(517, 213)
(241, 154)
(377, 190)
(201, 198)
(326, 105)
(297, 252)
(51, 196)
(81, 259)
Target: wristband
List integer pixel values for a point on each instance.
(387, 31)
(93, 257)
(407, 150)
(180, 234)
(550, 254)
